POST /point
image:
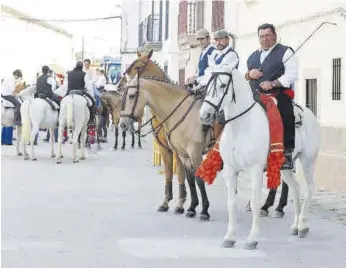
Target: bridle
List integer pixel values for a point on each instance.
(123, 101)
(212, 85)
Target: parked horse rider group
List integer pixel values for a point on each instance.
(272, 69)
(85, 81)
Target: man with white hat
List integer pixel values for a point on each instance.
(204, 42)
(223, 59)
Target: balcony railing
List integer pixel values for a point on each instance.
(150, 31)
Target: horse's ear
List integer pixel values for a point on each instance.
(139, 54)
(150, 54)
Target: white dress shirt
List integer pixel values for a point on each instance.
(291, 66)
(101, 81)
(228, 63)
(8, 86)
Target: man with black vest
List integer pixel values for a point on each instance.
(273, 69)
(77, 80)
(203, 38)
(45, 85)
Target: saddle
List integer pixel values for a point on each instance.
(52, 104)
(297, 110)
(81, 93)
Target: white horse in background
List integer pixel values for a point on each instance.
(244, 147)
(38, 114)
(7, 113)
(75, 114)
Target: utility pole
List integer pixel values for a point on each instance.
(83, 47)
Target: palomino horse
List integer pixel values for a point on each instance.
(75, 114)
(7, 111)
(111, 100)
(244, 147)
(147, 68)
(178, 111)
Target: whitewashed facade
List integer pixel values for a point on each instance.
(27, 44)
(321, 86)
(155, 22)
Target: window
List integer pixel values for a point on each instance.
(167, 20)
(181, 77)
(165, 68)
(336, 87)
(311, 95)
(218, 15)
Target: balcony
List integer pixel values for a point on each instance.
(190, 20)
(150, 31)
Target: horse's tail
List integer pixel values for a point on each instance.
(70, 112)
(26, 124)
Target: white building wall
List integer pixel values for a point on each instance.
(28, 46)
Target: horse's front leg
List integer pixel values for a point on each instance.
(133, 139)
(18, 141)
(168, 166)
(139, 140)
(256, 175)
(231, 183)
(75, 138)
(52, 154)
(116, 138)
(124, 138)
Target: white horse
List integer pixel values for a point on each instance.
(244, 147)
(38, 114)
(74, 113)
(7, 114)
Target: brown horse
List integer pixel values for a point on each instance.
(151, 69)
(111, 101)
(178, 112)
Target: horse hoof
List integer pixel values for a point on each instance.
(294, 231)
(122, 148)
(162, 209)
(279, 214)
(264, 213)
(303, 233)
(82, 158)
(251, 245)
(190, 214)
(19, 154)
(26, 157)
(179, 210)
(204, 217)
(75, 161)
(139, 147)
(34, 159)
(228, 244)
(52, 156)
(132, 146)
(115, 148)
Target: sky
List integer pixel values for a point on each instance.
(99, 35)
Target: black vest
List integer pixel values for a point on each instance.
(76, 80)
(42, 87)
(272, 67)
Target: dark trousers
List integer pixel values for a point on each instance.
(16, 103)
(271, 198)
(285, 107)
(6, 136)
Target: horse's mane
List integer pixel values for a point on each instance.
(164, 79)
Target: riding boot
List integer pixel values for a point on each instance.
(288, 164)
(92, 110)
(17, 117)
